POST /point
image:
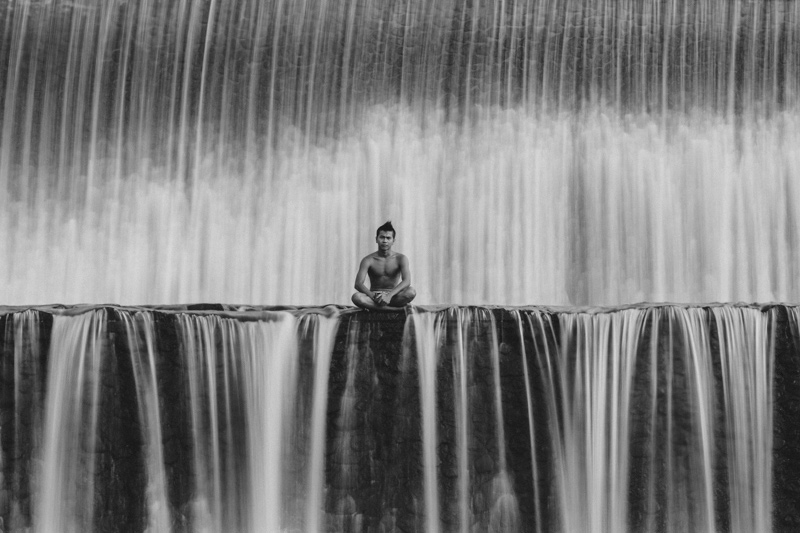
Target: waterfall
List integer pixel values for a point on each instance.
(139, 330)
(465, 340)
(570, 152)
(71, 417)
(558, 171)
(657, 418)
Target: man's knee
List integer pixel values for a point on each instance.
(405, 297)
(357, 299)
(410, 293)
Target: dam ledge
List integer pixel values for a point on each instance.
(256, 312)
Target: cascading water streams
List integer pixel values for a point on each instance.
(246, 376)
(139, 330)
(222, 425)
(477, 434)
(66, 500)
(560, 152)
(747, 411)
(635, 425)
(530, 152)
(649, 419)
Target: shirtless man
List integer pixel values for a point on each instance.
(389, 276)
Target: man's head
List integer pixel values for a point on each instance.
(385, 236)
(387, 227)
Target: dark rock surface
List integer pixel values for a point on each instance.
(24, 351)
(786, 438)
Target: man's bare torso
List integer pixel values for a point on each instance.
(383, 272)
(389, 276)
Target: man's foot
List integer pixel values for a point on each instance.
(387, 309)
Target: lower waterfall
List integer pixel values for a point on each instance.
(651, 418)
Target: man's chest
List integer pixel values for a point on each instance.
(384, 268)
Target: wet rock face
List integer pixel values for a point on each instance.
(515, 398)
(24, 352)
(786, 443)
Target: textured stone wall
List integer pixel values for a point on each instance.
(786, 467)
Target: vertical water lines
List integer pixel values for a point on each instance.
(258, 464)
(199, 351)
(533, 322)
(461, 378)
(487, 499)
(691, 491)
(346, 513)
(65, 503)
(483, 496)
(140, 335)
(427, 330)
(325, 332)
(746, 357)
(596, 364)
(270, 379)
(238, 373)
(504, 511)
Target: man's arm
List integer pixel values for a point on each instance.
(361, 277)
(405, 273)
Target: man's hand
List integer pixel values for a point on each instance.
(382, 298)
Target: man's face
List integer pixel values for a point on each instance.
(385, 240)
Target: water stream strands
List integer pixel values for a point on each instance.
(192, 151)
(66, 500)
(559, 152)
(139, 330)
(644, 419)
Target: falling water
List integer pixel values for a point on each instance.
(247, 376)
(323, 348)
(559, 152)
(66, 500)
(463, 343)
(578, 152)
(638, 419)
(648, 419)
(748, 410)
(227, 435)
(427, 340)
(139, 330)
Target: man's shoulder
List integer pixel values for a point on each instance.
(396, 256)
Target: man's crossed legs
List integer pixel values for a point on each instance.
(400, 300)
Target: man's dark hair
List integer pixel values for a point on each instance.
(387, 226)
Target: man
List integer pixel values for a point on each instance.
(389, 276)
